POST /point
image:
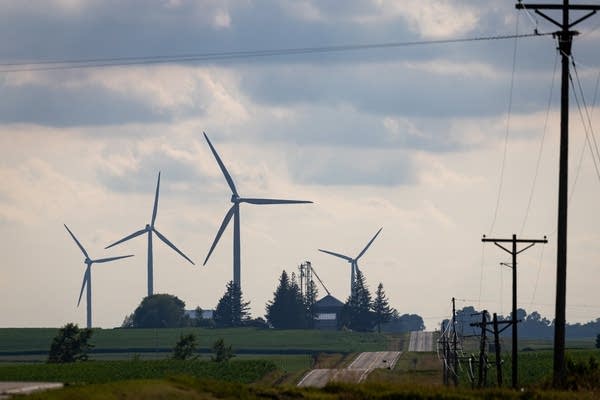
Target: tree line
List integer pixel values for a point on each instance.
(532, 325)
(289, 308)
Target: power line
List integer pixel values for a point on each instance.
(508, 115)
(62, 64)
(539, 157)
(585, 124)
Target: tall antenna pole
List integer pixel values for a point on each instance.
(565, 41)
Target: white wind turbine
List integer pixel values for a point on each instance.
(234, 212)
(149, 229)
(87, 277)
(353, 261)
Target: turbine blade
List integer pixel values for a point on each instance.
(220, 232)
(272, 201)
(171, 245)
(126, 238)
(369, 244)
(77, 241)
(85, 279)
(103, 260)
(155, 209)
(222, 166)
(349, 259)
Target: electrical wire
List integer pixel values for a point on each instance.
(589, 120)
(539, 157)
(537, 278)
(51, 65)
(508, 116)
(585, 126)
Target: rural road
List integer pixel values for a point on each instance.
(356, 372)
(8, 389)
(420, 341)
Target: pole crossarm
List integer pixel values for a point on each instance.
(581, 7)
(544, 240)
(545, 6)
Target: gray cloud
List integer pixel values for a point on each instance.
(90, 105)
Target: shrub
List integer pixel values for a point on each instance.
(185, 347)
(221, 352)
(70, 344)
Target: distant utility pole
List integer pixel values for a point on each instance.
(565, 41)
(454, 344)
(514, 252)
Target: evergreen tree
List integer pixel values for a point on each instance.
(287, 309)
(231, 311)
(357, 314)
(310, 299)
(381, 308)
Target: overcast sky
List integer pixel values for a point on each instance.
(411, 139)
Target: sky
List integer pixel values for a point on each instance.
(428, 142)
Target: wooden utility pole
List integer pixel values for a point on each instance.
(514, 252)
(497, 351)
(454, 344)
(565, 41)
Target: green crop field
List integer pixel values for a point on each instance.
(242, 371)
(15, 340)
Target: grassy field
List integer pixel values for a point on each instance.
(192, 389)
(23, 340)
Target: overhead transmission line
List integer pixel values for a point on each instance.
(585, 119)
(539, 156)
(62, 64)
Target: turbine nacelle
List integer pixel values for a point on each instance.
(235, 198)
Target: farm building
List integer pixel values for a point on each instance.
(328, 311)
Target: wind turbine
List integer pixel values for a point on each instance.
(87, 277)
(234, 212)
(353, 261)
(149, 229)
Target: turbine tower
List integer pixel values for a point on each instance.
(234, 212)
(87, 277)
(353, 261)
(149, 229)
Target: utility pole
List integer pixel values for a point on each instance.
(497, 351)
(565, 41)
(454, 344)
(514, 252)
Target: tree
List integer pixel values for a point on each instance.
(160, 311)
(231, 311)
(598, 341)
(357, 314)
(70, 344)
(310, 299)
(127, 321)
(287, 309)
(221, 352)
(185, 347)
(381, 308)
